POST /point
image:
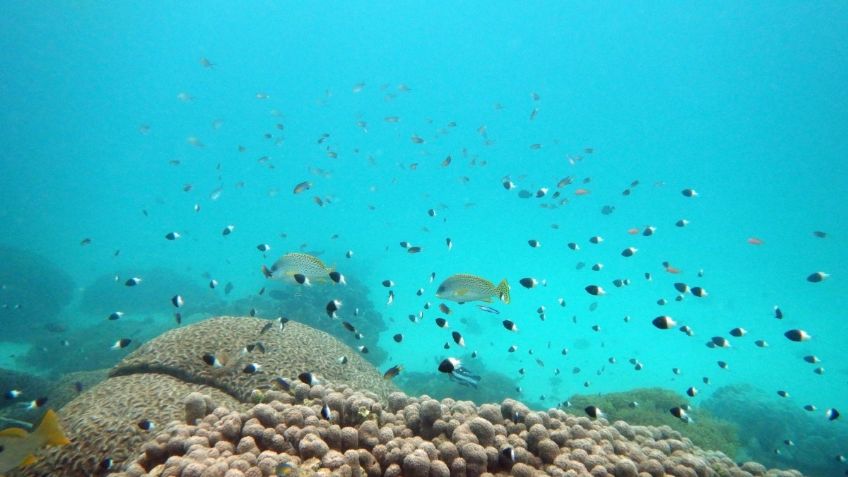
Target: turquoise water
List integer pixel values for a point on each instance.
(744, 103)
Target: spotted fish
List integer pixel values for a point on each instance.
(292, 264)
(463, 288)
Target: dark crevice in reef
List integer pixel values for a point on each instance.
(177, 373)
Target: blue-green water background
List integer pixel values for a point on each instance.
(745, 102)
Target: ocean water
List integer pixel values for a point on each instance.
(743, 102)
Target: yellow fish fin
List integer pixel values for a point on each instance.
(461, 291)
(29, 460)
(13, 432)
(503, 291)
(50, 430)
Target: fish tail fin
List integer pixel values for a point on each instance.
(503, 291)
(266, 272)
(50, 430)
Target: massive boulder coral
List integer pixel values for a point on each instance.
(285, 352)
(153, 382)
(103, 422)
(418, 437)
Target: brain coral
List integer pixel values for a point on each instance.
(152, 382)
(418, 437)
(103, 422)
(295, 349)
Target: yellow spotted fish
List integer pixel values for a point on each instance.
(18, 447)
(463, 288)
(292, 264)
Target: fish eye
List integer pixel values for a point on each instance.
(441, 289)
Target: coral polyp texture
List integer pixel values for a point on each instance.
(418, 437)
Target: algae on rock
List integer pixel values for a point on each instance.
(706, 431)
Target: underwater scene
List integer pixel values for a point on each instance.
(251, 239)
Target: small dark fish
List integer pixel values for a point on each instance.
(228, 230)
(449, 365)
(388, 283)
(441, 322)
(172, 236)
(797, 335)
(107, 464)
(392, 372)
(301, 279)
(832, 414)
(34, 404)
(738, 332)
(132, 282)
(251, 368)
(720, 341)
(528, 282)
(177, 301)
(146, 425)
(817, 277)
(85, 241)
(212, 360)
(116, 315)
(122, 343)
(178, 317)
(689, 193)
(629, 252)
(337, 278)
(308, 378)
(362, 349)
(594, 412)
(692, 391)
(325, 412)
(398, 338)
(778, 313)
(332, 307)
(282, 383)
(414, 249)
(510, 326)
(664, 322)
(595, 290)
(457, 338)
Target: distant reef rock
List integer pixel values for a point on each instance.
(225, 422)
(106, 295)
(33, 291)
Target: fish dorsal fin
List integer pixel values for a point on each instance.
(50, 431)
(14, 432)
(29, 460)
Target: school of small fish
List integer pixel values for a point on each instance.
(460, 284)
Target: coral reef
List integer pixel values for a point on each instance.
(766, 421)
(286, 352)
(652, 408)
(32, 293)
(418, 437)
(152, 382)
(103, 422)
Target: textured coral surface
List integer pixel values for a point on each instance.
(419, 437)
